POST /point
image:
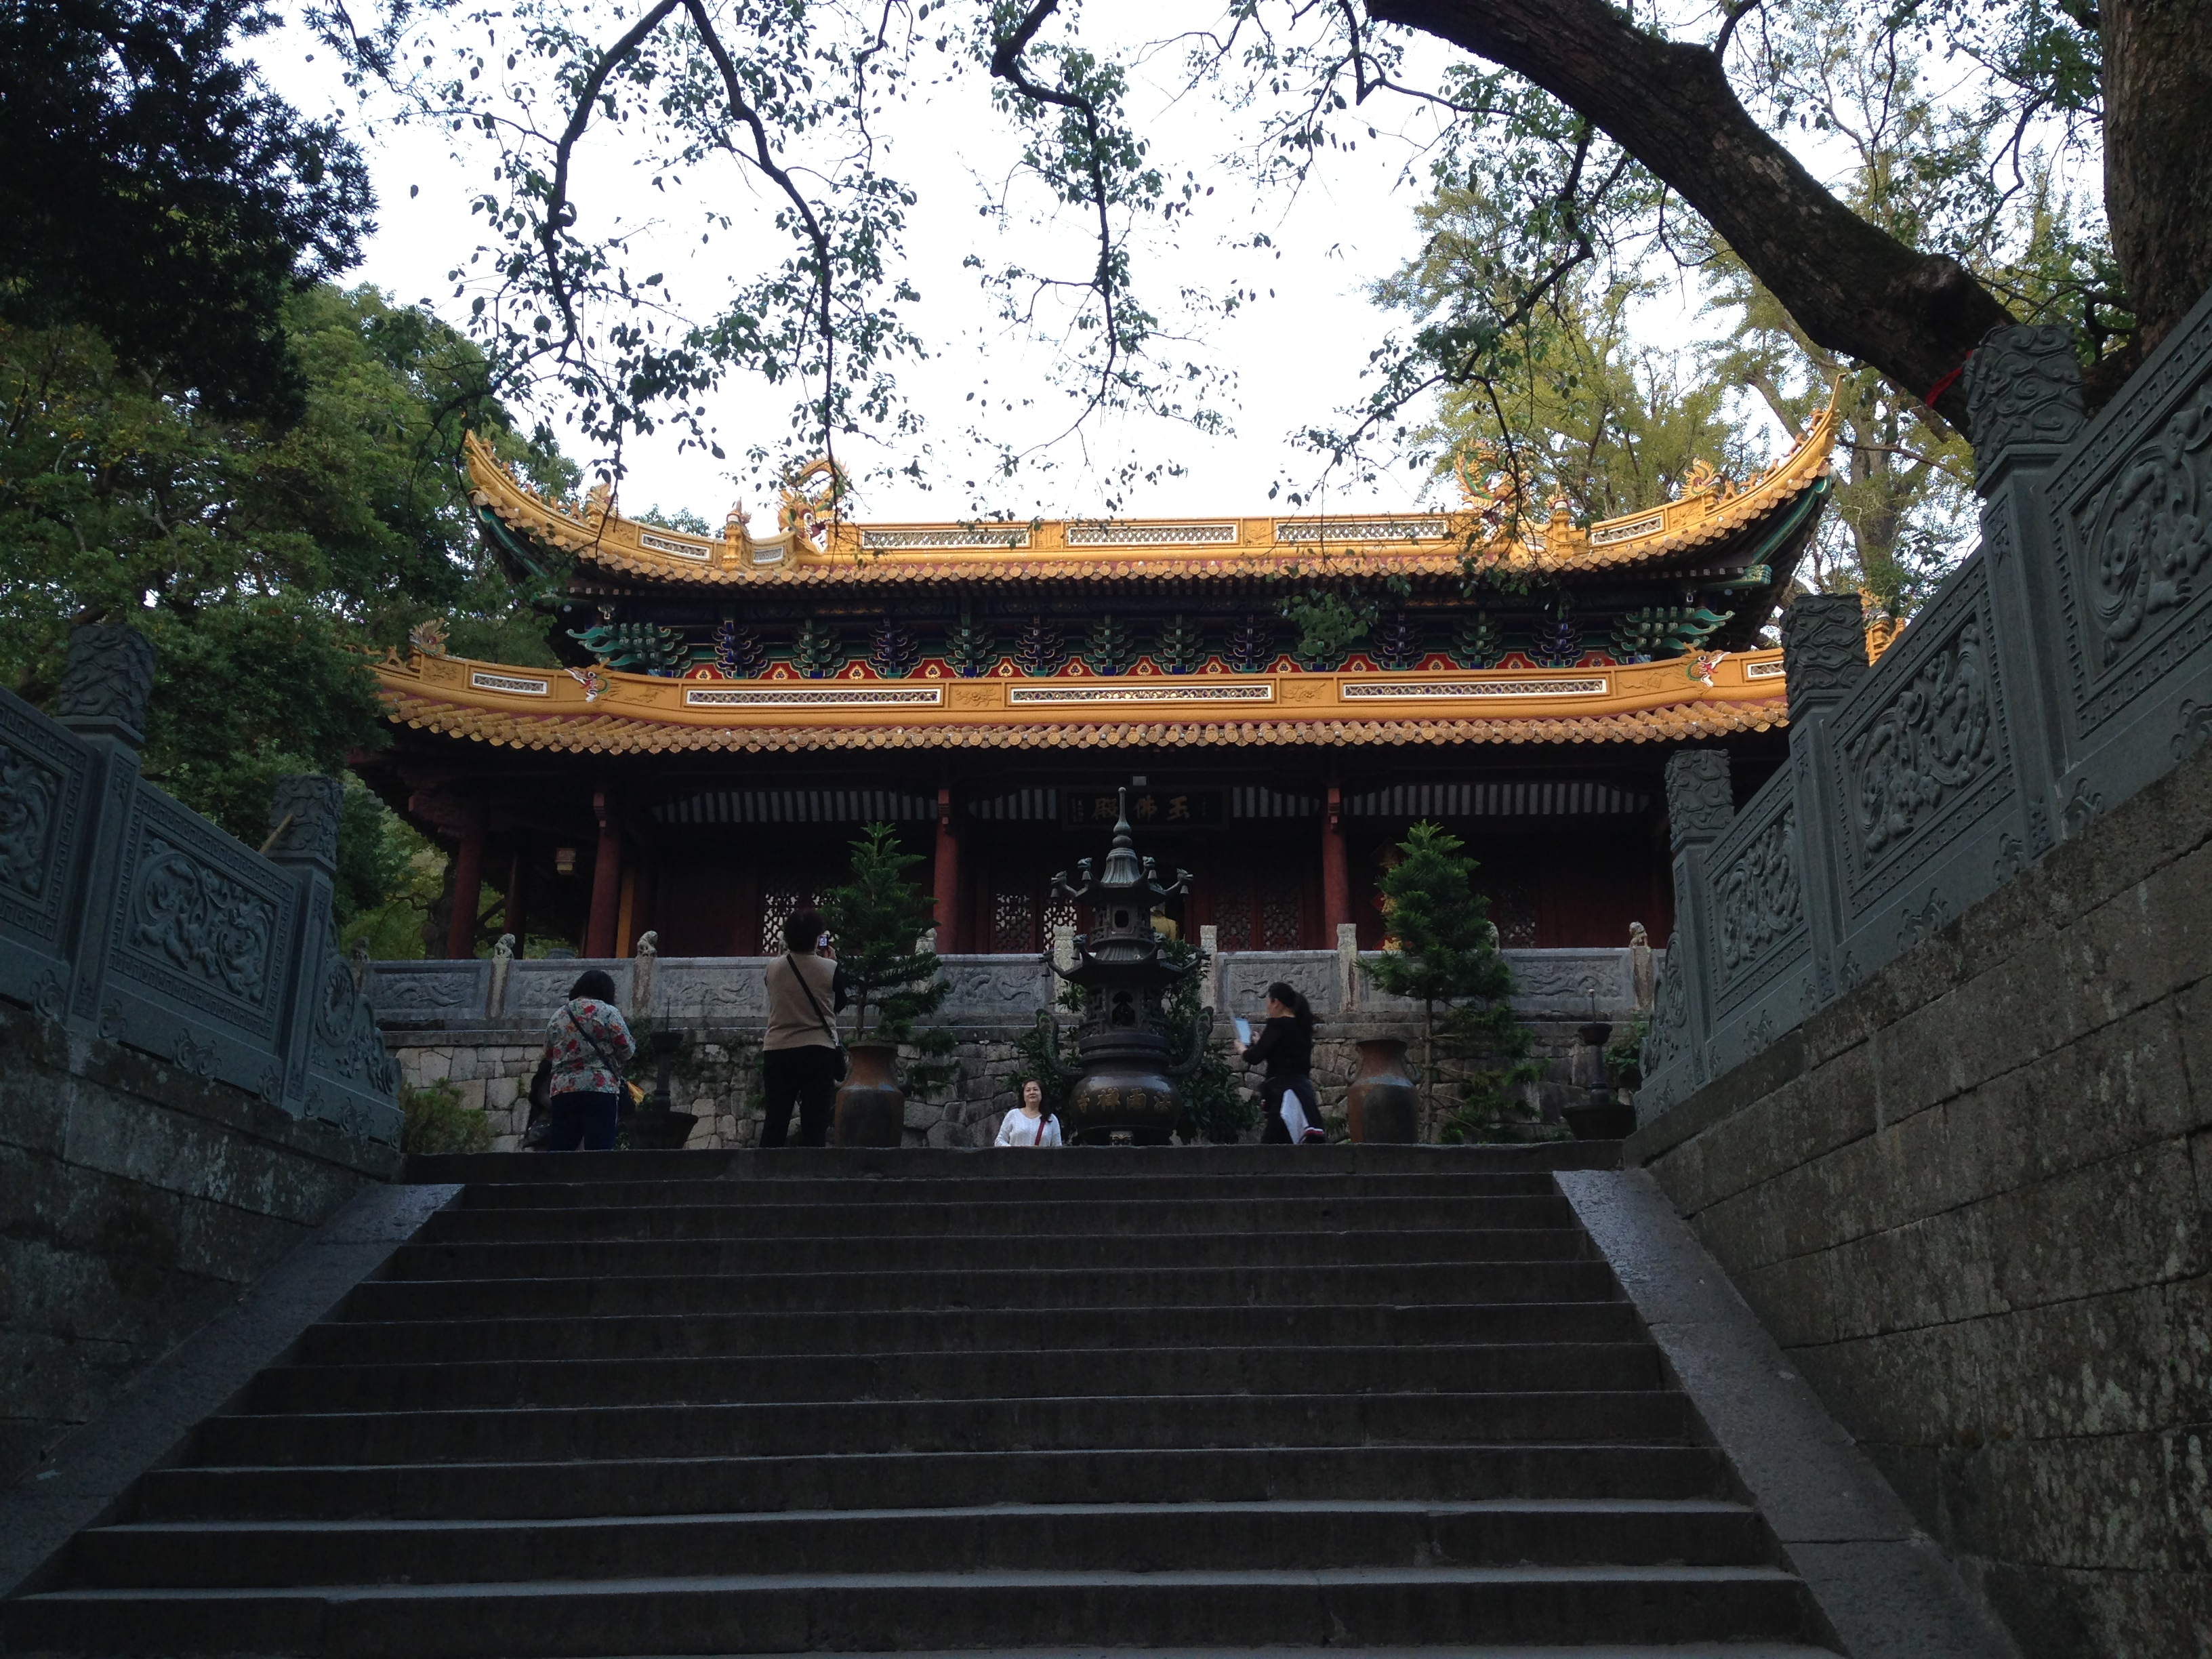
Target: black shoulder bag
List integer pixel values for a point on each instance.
(836, 1042)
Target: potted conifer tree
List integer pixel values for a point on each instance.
(876, 919)
(1444, 955)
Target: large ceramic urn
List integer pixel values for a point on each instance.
(1125, 1091)
(1384, 1104)
(871, 1106)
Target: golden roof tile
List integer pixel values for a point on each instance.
(814, 549)
(598, 712)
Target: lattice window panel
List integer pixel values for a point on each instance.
(1057, 913)
(1278, 915)
(1013, 921)
(1513, 913)
(777, 905)
(1232, 915)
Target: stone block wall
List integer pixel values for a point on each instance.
(1969, 1198)
(139, 1198)
(717, 1078)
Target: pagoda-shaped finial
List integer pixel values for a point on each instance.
(1122, 869)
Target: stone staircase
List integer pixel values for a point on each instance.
(1354, 1397)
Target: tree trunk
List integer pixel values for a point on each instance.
(1851, 286)
(2158, 156)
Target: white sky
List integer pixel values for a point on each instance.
(1296, 354)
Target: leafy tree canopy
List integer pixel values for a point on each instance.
(1594, 132)
(156, 189)
(262, 563)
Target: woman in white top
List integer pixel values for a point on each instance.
(1030, 1125)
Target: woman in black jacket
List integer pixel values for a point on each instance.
(1286, 1046)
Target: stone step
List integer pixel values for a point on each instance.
(701, 1485)
(1473, 1367)
(543, 1181)
(1192, 1537)
(885, 1330)
(654, 1430)
(705, 1214)
(1409, 1284)
(1344, 1161)
(983, 1252)
(1341, 1607)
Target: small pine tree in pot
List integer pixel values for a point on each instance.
(876, 917)
(1445, 956)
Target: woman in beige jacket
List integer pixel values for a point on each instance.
(798, 1055)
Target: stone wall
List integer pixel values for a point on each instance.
(139, 1198)
(1970, 1200)
(2065, 665)
(717, 1078)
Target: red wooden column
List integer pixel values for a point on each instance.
(947, 872)
(606, 882)
(468, 885)
(1335, 870)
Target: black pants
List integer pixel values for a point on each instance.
(807, 1077)
(583, 1123)
(1273, 1131)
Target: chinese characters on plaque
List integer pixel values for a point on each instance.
(1149, 809)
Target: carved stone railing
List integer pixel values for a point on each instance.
(131, 918)
(2064, 666)
(727, 992)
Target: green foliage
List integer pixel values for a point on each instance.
(1330, 620)
(155, 189)
(260, 563)
(434, 1121)
(1213, 1110)
(388, 879)
(876, 917)
(1111, 646)
(816, 653)
(1444, 955)
(1624, 1056)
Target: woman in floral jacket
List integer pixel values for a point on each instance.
(588, 1045)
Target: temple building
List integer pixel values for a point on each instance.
(735, 707)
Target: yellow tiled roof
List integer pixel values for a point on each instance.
(596, 712)
(1199, 549)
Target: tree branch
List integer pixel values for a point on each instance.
(1851, 286)
(764, 159)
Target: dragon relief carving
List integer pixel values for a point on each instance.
(1759, 898)
(348, 1042)
(1700, 795)
(2150, 535)
(2024, 386)
(29, 793)
(1666, 1037)
(202, 921)
(1936, 736)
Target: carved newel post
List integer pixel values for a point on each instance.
(106, 679)
(1701, 807)
(1126, 1092)
(334, 1032)
(2024, 407)
(1824, 653)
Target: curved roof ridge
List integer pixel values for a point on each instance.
(813, 549)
